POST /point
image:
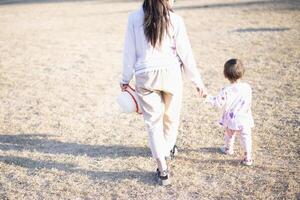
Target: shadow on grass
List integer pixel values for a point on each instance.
(44, 144)
(210, 150)
(112, 176)
(233, 162)
(292, 4)
(13, 2)
(249, 30)
(206, 150)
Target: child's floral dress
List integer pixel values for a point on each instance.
(235, 100)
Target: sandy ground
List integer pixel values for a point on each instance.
(63, 137)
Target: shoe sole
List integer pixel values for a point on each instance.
(247, 164)
(163, 182)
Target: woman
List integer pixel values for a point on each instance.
(156, 48)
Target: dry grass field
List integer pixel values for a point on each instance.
(62, 135)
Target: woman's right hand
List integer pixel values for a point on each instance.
(123, 86)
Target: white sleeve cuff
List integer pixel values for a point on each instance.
(124, 82)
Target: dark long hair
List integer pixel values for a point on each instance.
(156, 21)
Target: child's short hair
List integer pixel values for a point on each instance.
(234, 69)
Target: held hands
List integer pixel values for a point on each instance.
(202, 92)
(207, 97)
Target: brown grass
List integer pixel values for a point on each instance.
(62, 136)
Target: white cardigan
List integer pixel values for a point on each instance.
(139, 55)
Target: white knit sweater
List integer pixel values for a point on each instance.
(140, 56)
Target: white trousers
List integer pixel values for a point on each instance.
(160, 93)
(245, 140)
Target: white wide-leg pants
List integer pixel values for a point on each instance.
(160, 93)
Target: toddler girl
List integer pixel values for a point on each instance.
(235, 101)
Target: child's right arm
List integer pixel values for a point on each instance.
(218, 101)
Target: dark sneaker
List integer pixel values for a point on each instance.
(163, 180)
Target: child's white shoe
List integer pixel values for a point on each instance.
(247, 162)
(226, 150)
